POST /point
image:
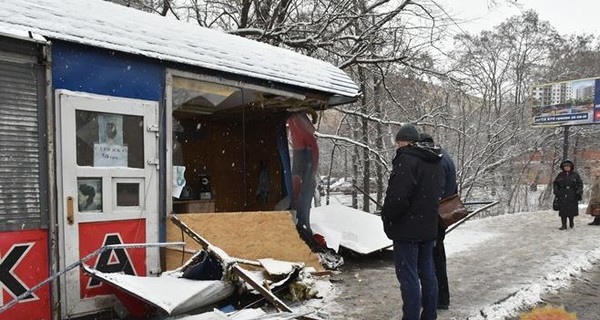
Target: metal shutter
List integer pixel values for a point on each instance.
(23, 164)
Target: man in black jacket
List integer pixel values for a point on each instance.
(410, 220)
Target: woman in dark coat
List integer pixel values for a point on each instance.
(568, 189)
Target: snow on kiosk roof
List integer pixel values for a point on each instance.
(111, 26)
(20, 34)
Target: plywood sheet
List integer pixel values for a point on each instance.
(248, 235)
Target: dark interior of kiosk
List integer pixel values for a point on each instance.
(226, 138)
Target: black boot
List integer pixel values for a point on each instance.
(571, 223)
(563, 221)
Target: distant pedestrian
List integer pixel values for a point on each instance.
(568, 189)
(593, 207)
(410, 219)
(448, 188)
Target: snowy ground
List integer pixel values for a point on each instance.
(496, 267)
(523, 257)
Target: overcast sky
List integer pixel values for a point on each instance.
(567, 16)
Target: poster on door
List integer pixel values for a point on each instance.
(96, 235)
(23, 265)
(110, 151)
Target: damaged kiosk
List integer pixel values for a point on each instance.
(112, 118)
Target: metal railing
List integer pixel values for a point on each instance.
(79, 262)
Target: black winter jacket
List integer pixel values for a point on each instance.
(568, 188)
(410, 208)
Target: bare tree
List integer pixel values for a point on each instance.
(499, 66)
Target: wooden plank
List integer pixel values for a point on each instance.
(247, 235)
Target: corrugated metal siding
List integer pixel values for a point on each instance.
(21, 155)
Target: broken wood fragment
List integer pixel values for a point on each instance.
(234, 267)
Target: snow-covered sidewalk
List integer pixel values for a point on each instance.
(497, 265)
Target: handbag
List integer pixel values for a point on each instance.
(555, 205)
(451, 210)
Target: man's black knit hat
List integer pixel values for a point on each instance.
(408, 132)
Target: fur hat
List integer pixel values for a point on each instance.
(567, 162)
(408, 132)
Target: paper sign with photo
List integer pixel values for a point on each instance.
(110, 128)
(178, 180)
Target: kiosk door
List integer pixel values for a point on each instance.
(108, 180)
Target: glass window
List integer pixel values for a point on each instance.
(109, 140)
(128, 194)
